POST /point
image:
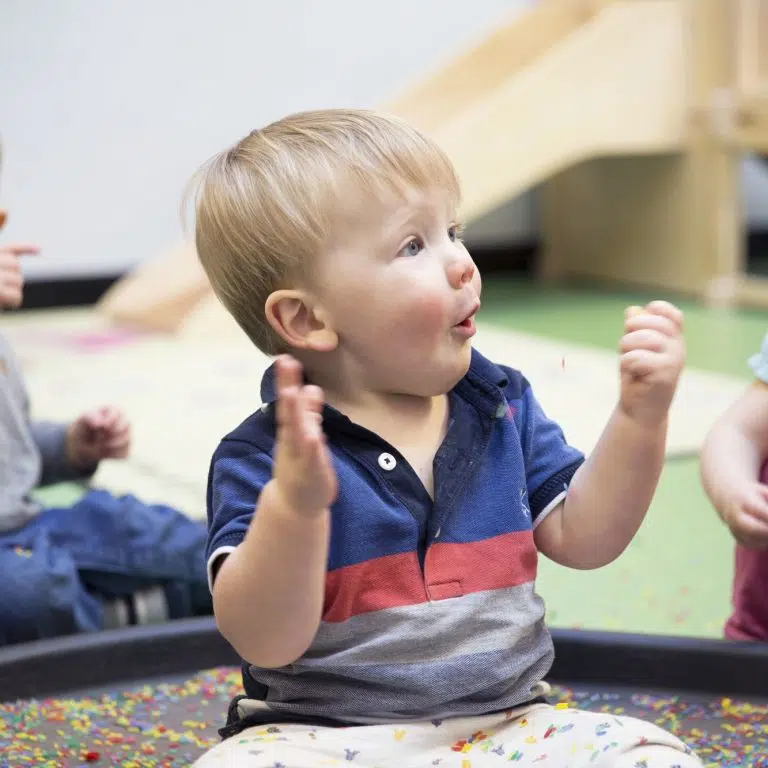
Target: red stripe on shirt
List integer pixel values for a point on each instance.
(384, 582)
(507, 560)
(452, 570)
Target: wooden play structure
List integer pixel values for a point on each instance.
(633, 116)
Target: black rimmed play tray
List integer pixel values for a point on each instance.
(155, 696)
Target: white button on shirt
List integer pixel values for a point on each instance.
(387, 461)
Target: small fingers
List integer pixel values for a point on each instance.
(288, 419)
(10, 297)
(639, 362)
(751, 531)
(20, 249)
(757, 508)
(107, 419)
(11, 282)
(10, 269)
(288, 373)
(288, 380)
(314, 397)
(299, 408)
(647, 321)
(668, 310)
(119, 435)
(311, 406)
(118, 451)
(116, 422)
(644, 339)
(94, 419)
(657, 308)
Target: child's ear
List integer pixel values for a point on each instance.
(300, 322)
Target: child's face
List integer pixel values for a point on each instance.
(402, 291)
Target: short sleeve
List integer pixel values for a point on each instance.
(550, 463)
(239, 471)
(759, 362)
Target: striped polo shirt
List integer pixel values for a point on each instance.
(430, 608)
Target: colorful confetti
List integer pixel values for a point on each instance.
(169, 725)
(722, 732)
(164, 725)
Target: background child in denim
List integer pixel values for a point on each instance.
(735, 476)
(374, 526)
(105, 561)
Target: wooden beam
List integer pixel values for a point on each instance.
(714, 246)
(597, 93)
(742, 290)
(751, 133)
(454, 86)
(751, 30)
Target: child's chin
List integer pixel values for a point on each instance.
(461, 366)
(432, 383)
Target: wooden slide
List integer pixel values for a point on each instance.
(549, 90)
(634, 114)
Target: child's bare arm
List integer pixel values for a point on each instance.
(731, 459)
(610, 493)
(268, 594)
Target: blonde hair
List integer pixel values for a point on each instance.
(265, 207)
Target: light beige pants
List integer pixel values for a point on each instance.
(540, 735)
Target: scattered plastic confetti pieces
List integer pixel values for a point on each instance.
(722, 732)
(169, 725)
(150, 726)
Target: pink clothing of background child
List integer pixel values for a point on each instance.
(735, 475)
(749, 619)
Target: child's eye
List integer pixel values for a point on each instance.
(454, 232)
(413, 248)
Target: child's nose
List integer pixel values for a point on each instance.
(461, 272)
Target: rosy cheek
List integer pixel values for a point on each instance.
(425, 314)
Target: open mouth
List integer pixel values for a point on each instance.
(469, 320)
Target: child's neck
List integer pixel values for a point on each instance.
(385, 408)
(349, 392)
(415, 426)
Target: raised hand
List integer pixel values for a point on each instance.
(652, 357)
(304, 474)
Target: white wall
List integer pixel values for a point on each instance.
(106, 108)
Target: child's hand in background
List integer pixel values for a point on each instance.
(103, 433)
(746, 514)
(11, 278)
